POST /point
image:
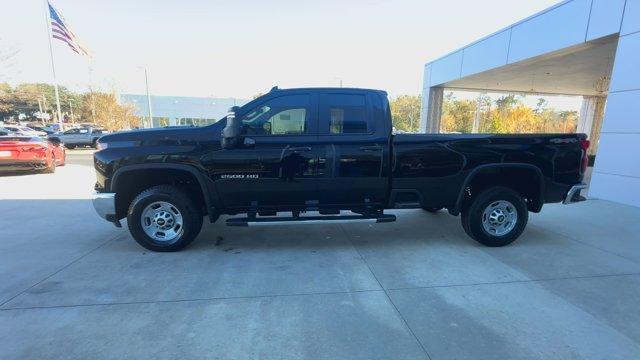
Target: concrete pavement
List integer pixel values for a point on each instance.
(73, 286)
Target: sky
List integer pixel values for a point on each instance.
(240, 48)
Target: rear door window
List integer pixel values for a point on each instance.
(345, 114)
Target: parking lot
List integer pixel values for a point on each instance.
(74, 286)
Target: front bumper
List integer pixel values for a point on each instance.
(105, 205)
(573, 195)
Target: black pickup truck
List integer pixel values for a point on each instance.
(327, 151)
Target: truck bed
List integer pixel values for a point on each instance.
(432, 168)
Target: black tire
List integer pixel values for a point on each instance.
(70, 147)
(472, 216)
(190, 211)
(432, 209)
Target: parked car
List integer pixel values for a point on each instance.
(327, 150)
(84, 136)
(28, 153)
(24, 130)
(40, 128)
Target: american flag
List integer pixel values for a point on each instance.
(61, 31)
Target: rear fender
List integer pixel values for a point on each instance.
(488, 167)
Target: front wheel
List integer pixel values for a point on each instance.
(164, 218)
(496, 217)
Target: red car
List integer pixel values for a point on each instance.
(19, 153)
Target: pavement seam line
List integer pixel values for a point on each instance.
(62, 268)
(424, 349)
(583, 243)
(191, 300)
(516, 281)
(318, 293)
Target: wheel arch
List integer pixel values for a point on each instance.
(122, 174)
(536, 192)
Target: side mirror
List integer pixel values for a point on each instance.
(231, 132)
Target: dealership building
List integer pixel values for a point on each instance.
(588, 48)
(180, 110)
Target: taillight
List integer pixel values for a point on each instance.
(34, 148)
(584, 145)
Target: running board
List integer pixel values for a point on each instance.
(265, 221)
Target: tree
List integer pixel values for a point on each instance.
(6, 101)
(405, 112)
(457, 115)
(541, 105)
(109, 113)
(506, 102)
(510, 115)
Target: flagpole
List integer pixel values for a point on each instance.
(53, 66)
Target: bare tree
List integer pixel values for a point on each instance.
(8, 59)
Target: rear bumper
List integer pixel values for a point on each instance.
(23, 165)
(105, 206)
(573, 195)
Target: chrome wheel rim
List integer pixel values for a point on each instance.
(499, 218)
(162, 221)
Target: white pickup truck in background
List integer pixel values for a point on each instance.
(85, 136)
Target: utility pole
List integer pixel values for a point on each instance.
(93, 101)
(71, 110)
(476, 119)
(146, 80)
(44, 105)
(41, 114)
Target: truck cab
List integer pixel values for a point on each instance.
(319, 148)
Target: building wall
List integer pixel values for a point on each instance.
(566, 24)
(616, 173)
(617, 170)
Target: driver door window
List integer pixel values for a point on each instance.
(281, 116)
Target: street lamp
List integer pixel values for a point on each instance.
(146, 80)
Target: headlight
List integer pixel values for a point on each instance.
(102, 146)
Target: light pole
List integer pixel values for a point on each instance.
(71, 110)
(146, 80)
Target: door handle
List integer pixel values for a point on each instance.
(301, 148)
(371, 148)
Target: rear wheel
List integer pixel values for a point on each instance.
(69, 146)
(496, 217)
(164, 218)
(51, 168)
